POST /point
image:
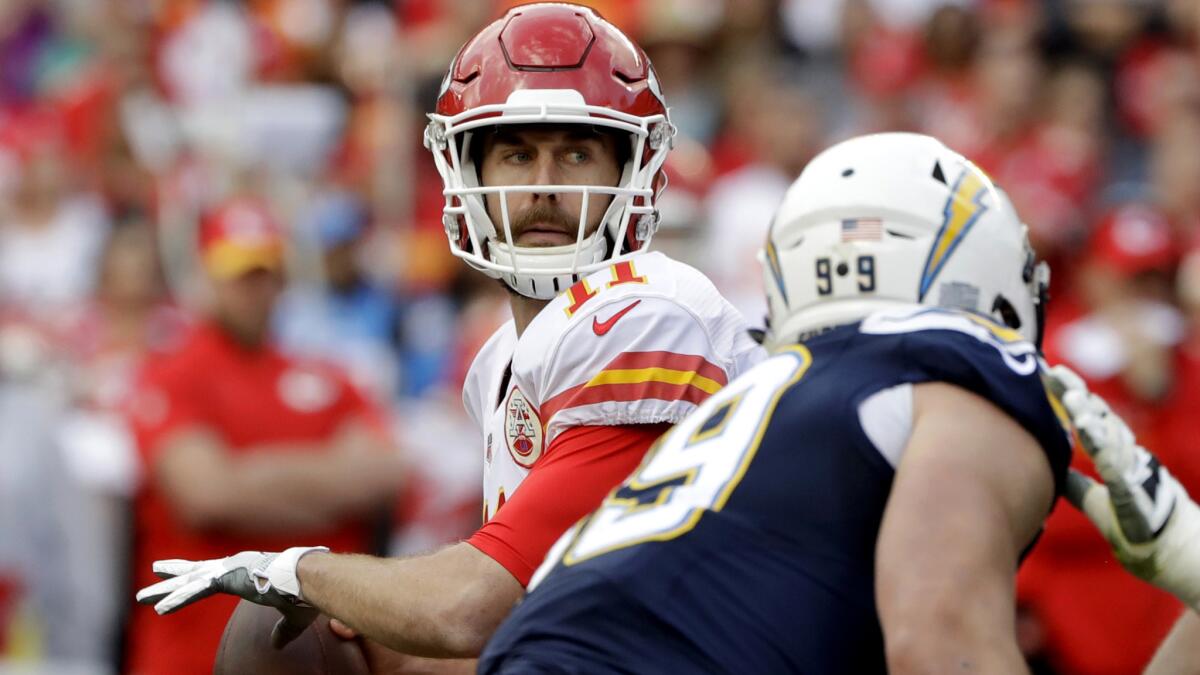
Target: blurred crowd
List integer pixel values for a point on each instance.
(125, 123)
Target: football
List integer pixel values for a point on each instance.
(246, 647)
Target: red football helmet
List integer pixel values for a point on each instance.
(550, 63)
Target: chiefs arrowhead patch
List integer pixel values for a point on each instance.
(522, 429)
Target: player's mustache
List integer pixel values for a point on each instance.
(543, 215)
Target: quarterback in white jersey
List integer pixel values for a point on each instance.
(550, 135)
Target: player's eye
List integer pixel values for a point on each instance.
(518, 157)
(577, 156)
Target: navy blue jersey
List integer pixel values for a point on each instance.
(745, 542)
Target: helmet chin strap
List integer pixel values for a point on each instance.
(1041, 280)
(528, 260)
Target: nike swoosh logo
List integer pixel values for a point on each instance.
(602, 327)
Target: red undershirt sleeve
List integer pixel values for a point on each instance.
(581, 466)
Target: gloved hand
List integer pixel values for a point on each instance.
(1147, 517)
(264, 578)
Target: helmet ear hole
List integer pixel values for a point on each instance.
(938, 175)
(1007, 312)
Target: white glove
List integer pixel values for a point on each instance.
(265, 578)
(1147, 517)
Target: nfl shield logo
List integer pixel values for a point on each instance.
(522, 429)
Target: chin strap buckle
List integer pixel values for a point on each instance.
(661, 134)
(647, 225)
(453, 229)
(435, 136)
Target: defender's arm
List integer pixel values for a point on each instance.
(970, 492)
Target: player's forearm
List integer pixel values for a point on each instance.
(443, 605)
(1180, 652)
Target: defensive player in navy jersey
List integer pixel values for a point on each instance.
(859, 502)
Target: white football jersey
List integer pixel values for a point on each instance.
(641, 342)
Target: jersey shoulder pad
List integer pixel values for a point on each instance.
(975, 353)
(990, 343)
(648, 275)
(629, 360)
(485, 369)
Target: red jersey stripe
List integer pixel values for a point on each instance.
(655, 367)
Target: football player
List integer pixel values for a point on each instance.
(859, 502)
(550, 135)
(1143, 512)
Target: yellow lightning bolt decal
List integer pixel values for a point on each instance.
(963, 208)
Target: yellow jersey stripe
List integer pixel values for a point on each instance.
(664, 375)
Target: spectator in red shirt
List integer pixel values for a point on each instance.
(243, 447)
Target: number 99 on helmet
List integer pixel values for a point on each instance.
(897, 218)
